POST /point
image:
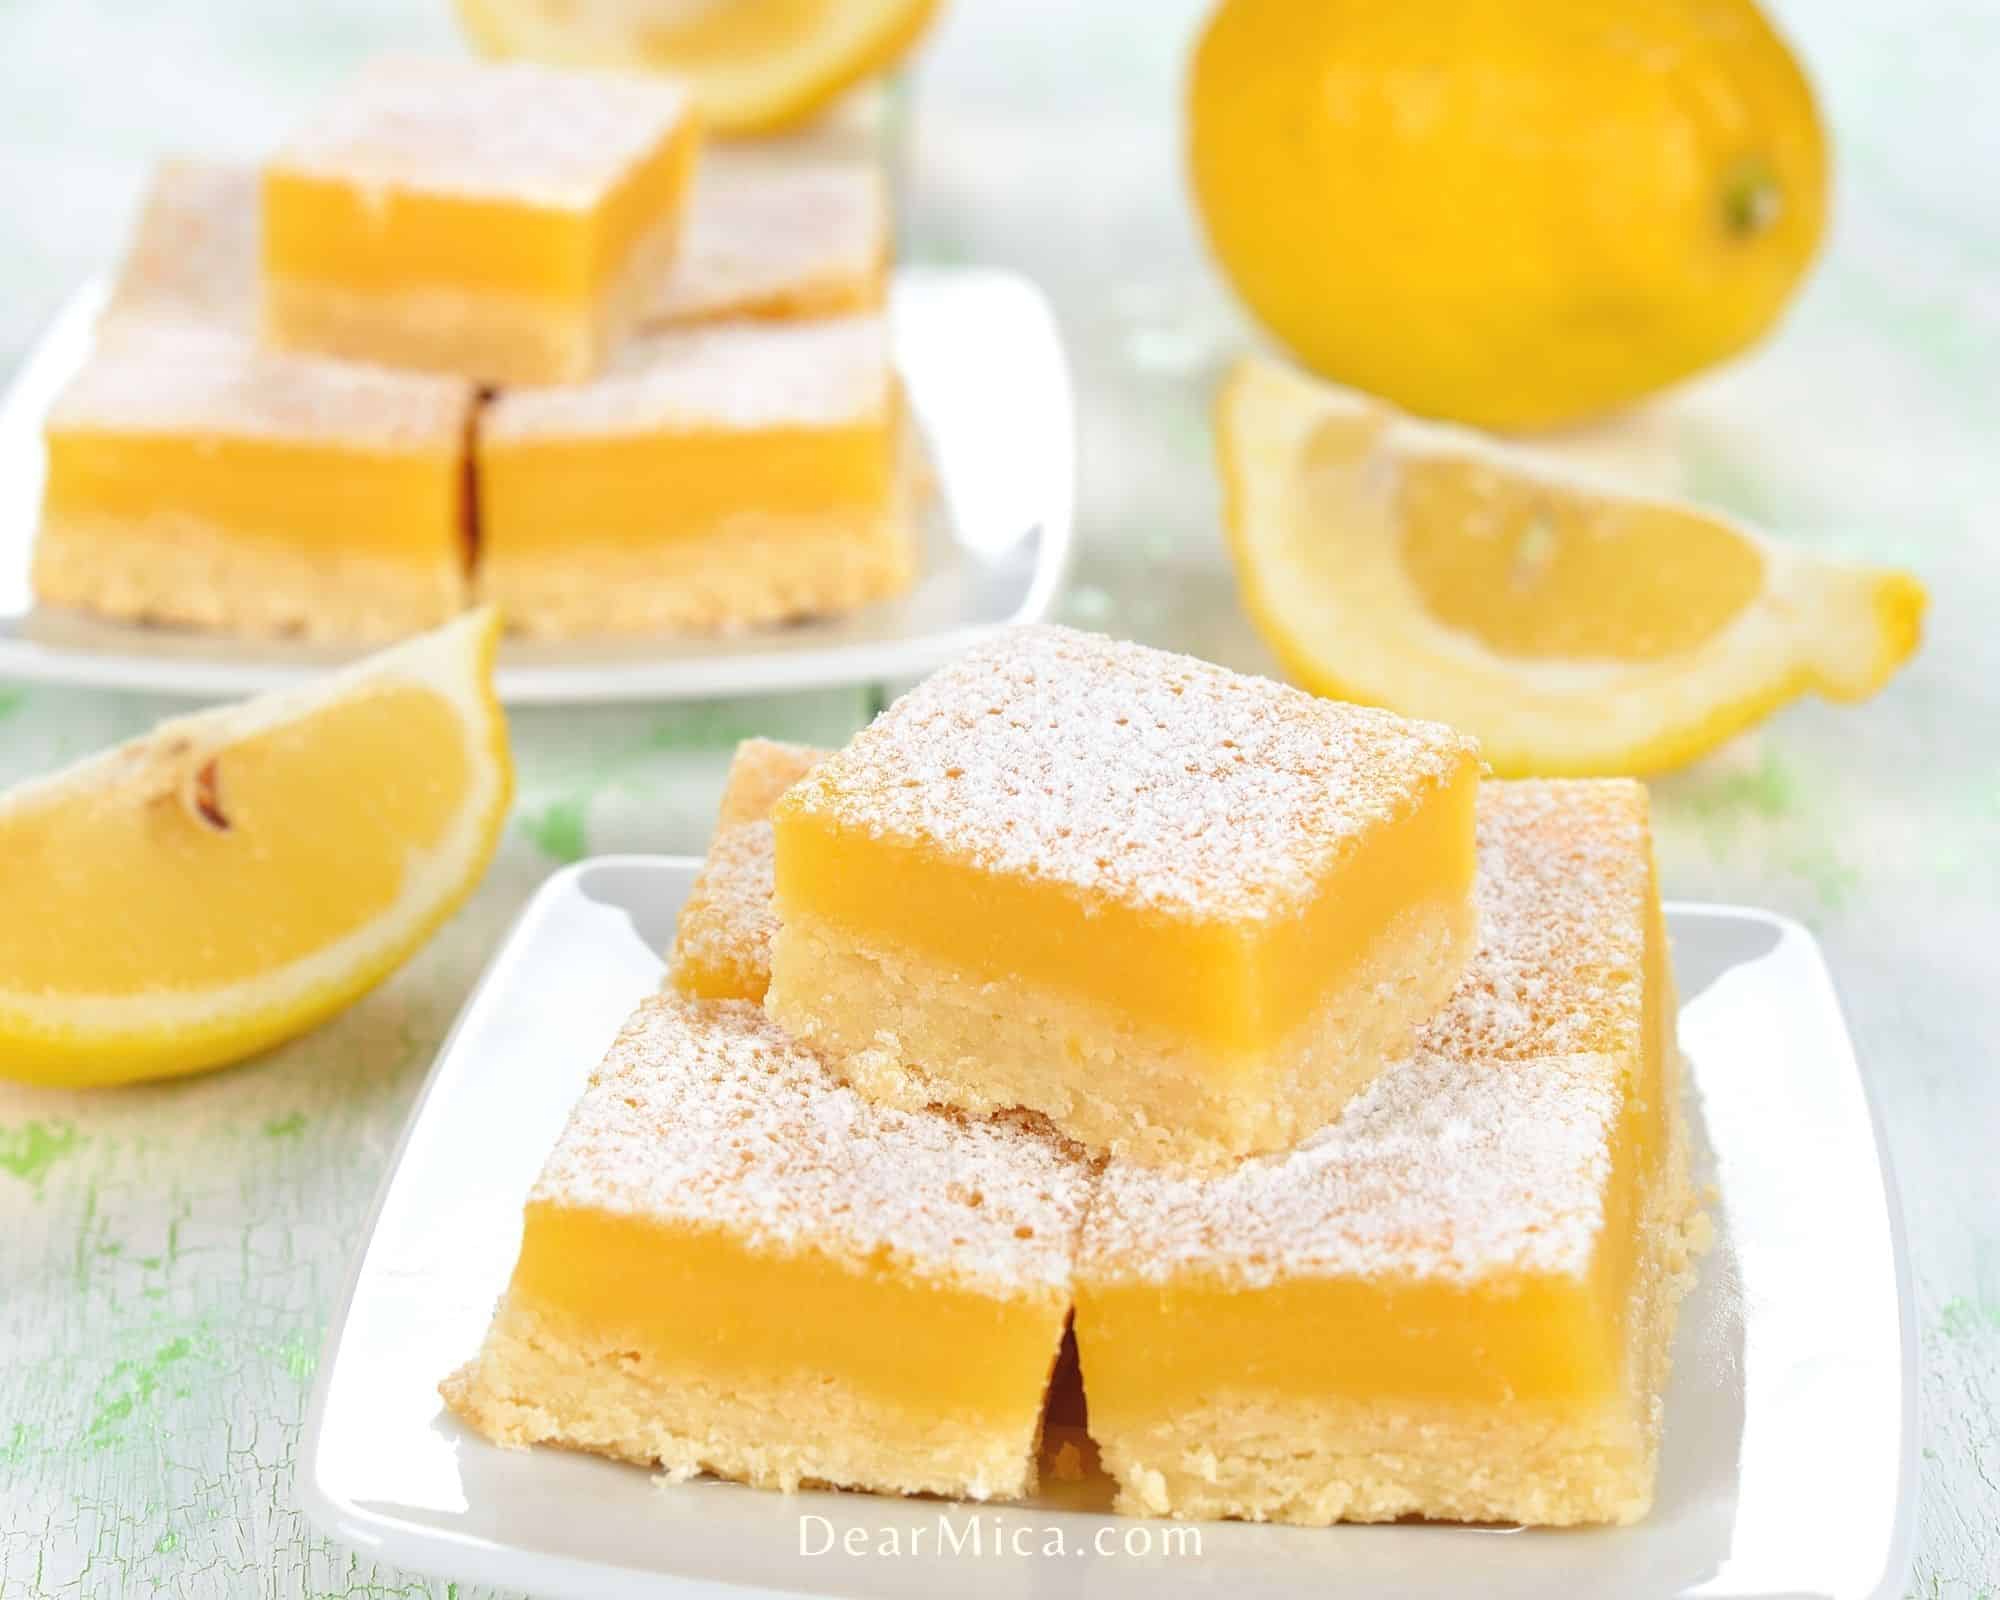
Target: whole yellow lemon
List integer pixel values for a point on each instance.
(1513, 213)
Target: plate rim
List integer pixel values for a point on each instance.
(790, 670)
(470, 1558)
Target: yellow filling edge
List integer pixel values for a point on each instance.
(701, 1300)
(325, 495)
(1239, 987)
(330, 231)
(1558, 1343)
(639, 488)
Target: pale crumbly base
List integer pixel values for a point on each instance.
(493, 338)
(174, 568)
(752, 569)
(830, 294)
(540, 1380)
(1331, 1460)
(904, 1028)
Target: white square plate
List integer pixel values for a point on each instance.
(983, 366)
(1788, 1468)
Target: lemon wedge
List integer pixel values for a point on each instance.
(233, 878)
(756, 66)
(1574, 629)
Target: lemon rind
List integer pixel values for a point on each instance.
(748, 99)
(1831, 627)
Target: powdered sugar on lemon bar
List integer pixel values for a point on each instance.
(1462, 1293)
(501, 221)
(733, 1263)
(718, 476)
(1182, 912)
(194, 477)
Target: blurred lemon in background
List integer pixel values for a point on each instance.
(756, 66)
(235, 877)
(1573, 628)
(1513, 213)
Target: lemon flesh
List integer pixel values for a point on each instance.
(755, 66)
(235, 877)
(1573, 629)
(1515, 215)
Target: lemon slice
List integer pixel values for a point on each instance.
(756, 66)
(235, 877)
(1572, 628)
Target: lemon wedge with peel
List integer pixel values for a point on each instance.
(235, 877)
(1574, 629)
(755, 66)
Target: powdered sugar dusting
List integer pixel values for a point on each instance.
(506, 131)
(729, 921)
(708, 1114)
(1129, 773)
(193, 256)
(830, 372)
(1488, 1149)
(148, 377)
(759, 772)
(756, 232)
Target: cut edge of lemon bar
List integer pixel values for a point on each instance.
(718, 476)
(734, 1264)
(196, 478)
(1181, 912)
(722, 940)
(1499, 1230)
(501, 221)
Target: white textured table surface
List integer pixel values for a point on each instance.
(167, 1256)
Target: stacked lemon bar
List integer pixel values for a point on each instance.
(1329, 1094)
(489, 332)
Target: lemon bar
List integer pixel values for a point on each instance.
(196, 478)
(734, 1264)
(764, 239)
(722, 942)
(1181, 912)
(739, 473)
(193, 255)
(1458, 1301)
(504, 222)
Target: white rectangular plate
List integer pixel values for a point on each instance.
(983, 366)
(1789, 1463)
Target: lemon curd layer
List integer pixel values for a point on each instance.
(734, 1264)
(888, 1331)
(715, 476)
(1455, 1302)
(504, 221)
(1236, 896)
(193, 477)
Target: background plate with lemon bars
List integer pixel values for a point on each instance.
(988, 387)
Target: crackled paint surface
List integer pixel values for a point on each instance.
(168, 1256)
